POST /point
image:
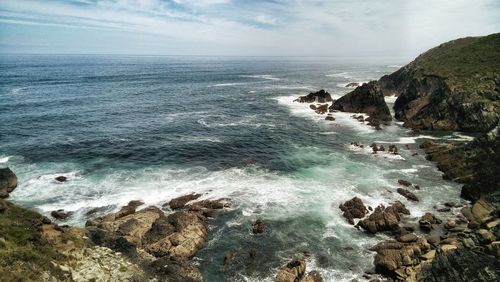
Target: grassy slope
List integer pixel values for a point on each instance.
(469, 64)
(24, 254)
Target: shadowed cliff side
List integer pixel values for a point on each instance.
(455, 86)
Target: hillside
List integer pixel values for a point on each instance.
(454, 86)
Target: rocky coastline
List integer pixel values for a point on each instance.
(454, 242)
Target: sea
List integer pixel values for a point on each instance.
(152, 128)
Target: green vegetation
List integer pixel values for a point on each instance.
(24, 254)
(470, 64)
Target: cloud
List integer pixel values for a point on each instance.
(237, 27)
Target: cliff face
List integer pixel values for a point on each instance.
(366, 98)
(455, 86)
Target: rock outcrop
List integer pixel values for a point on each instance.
(354, 208)
(366, 98)
(454, 86)
(295, 271)
(8, 182)
(384, 218)
(319, 97)
(476, 164)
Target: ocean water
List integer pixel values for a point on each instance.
(153, 128)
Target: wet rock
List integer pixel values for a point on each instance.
(175, 269)
(450, 224)
(319, 97)
(384, 218)
(393, 149)
(180, 202)
(354, 208)
(322, 109)
(481, 210)
(312, 107)
(428, 222)
(130, 208)
(444, 210)
(61, 214)
(404, 183)
(329, 118)
(407, 194)
(292, 271)
(313, 276)
(93, 211)
(485, 236)
(228, 260)
(8, 182)
(258, 227)
(61, 178)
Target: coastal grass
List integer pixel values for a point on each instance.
(24, 254)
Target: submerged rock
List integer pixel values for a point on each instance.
(61, 178)
(320, 97)
(354, 208)
(258, 227)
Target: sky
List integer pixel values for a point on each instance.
(337, 28)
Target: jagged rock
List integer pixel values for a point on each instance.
(393, 149)
(175, 269)
(366, 98)
(8, 182)
(61, 178)
(460, 265)
(319, 97)
(322, 109)
(258, 227)
(61, 214)
(292, 271)
(407, 194)
(180, 202)
(384, 218)
(129, 208)
(393, 255)
(481, 210)
(428, 222)
(354, 208)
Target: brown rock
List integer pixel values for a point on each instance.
(384, 218)
(8, 182)
(258, 227)
(404, 183)
(354, 208)
(407, 194)
(292, 271)
(428, 222)
(61, 214)
(180, 202)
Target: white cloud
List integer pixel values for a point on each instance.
(263, 19)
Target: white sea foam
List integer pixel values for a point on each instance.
(344, 84)
(390, 99)
(395, 66)
(291, 87)
(229, 84)
(262, 76)
(4, 159)
(340, 74)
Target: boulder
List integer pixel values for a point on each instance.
(61, 214)
(258, 227)
(407, 194)
(354, 208)
(129, 208)
(428, 222)
(319, 97)
(8, 182)
(61, 178)
(384, 218)
(329, 118)
(366, 98)
(180, 202)
(291, 272)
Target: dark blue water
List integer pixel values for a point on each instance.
(152, 128)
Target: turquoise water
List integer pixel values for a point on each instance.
(153, 128)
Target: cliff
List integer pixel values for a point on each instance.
(454, 86)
